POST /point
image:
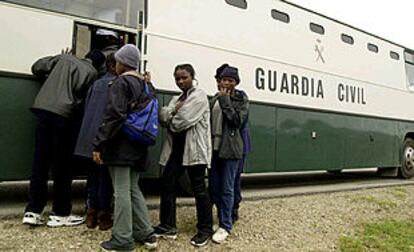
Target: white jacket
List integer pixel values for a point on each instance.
(194, 117)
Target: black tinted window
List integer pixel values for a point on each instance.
(347, 39)
(372, 48)
(280, 16)
(394, 55)
(238, 3)
(317, 28)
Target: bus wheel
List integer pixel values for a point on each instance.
(407, 166)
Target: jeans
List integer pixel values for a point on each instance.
(221, 185)
(131, 219)
(54, 143)
(99, 187)
(237, 190)
(172, 172)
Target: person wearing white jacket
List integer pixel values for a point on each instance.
(187, 147)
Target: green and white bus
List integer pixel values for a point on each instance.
(324, 95)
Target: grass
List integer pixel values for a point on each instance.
(382, 203)
(386, 236)
(400, 193)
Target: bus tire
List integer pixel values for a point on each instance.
(407, 163)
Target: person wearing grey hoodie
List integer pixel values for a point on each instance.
(187, 147)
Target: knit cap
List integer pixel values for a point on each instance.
(231, 72)
(128, 55)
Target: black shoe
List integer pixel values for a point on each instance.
(166, 233)
(111, 245)
(200, 239)
(151, 241)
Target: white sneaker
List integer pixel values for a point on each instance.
(220, 235)
(31, 218)
(60, 221)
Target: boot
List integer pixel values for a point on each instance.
(104, 220)
(91, 218)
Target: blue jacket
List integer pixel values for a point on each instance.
(95, 103)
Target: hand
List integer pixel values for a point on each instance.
(224, 92)
(178, 105)
(147, 76)
(96, 155)
(67, 50)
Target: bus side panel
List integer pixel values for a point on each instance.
(309, 140)
(17, 126)
(262, 122)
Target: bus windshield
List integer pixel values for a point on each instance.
(122, 12)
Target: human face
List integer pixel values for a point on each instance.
(183, 80)
(119, 68)
(227, 83)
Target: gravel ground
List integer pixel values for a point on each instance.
(302, 223)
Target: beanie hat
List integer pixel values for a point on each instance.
(231, 72)
(128, 55)
(219, 70)
(97, 58)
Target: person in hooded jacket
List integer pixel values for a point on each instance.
(229, 111)
(57, 108)
(125, 157)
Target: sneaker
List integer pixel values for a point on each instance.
(165, 233)
(111, 245)
(150, 242)
(220, 235)
(200, 239)
(60, 221)
(31, 218)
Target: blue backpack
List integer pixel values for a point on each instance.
(142, 126)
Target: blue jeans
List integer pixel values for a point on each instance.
(99, 187)
(237, 190)
(221, 185)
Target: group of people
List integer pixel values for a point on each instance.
(100, 91)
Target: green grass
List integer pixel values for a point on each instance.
(385, 236)
(383, 203)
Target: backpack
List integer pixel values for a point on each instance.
(142, 126)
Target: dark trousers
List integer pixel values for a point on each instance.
(54, 143)
(222, 178)
(99, 185)
(172, 172)
(237, 191)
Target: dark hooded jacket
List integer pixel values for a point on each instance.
(235, 109)
(116, 148)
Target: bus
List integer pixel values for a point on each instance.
(324, 95)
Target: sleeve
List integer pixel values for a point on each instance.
(44, 66)
(190, 113)
(234, 116)
(115, 114)
(167, 112)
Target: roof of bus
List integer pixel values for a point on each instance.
(342, 23)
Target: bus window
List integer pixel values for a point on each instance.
(88, 37)
(372, 48)
(238, 3)
(394, 55)
(123, 12)
(409, 68)
(317, 28)
(347, 39)
(280, 16)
